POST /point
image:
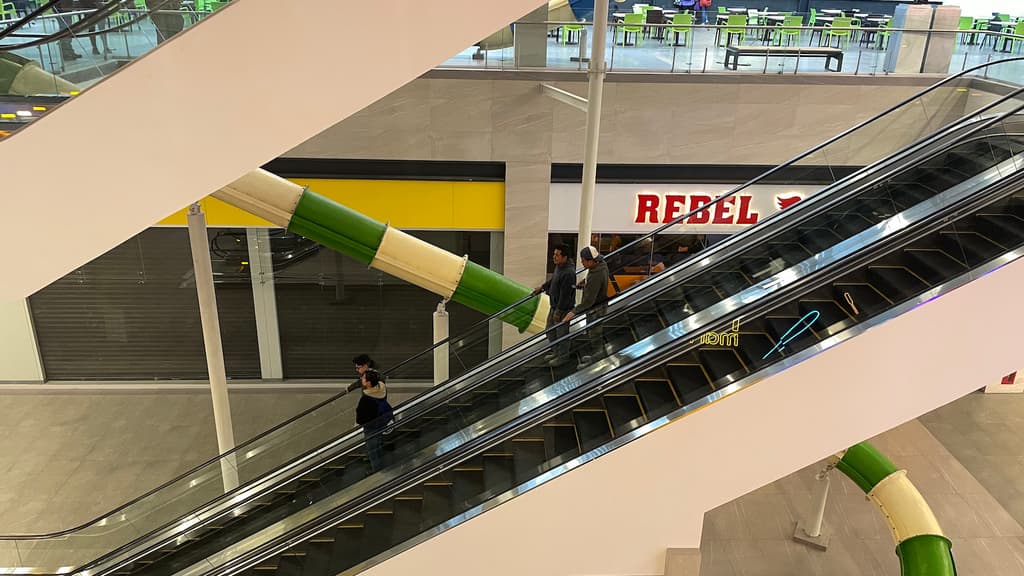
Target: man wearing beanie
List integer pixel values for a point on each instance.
(594, 302)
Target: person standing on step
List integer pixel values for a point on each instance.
(562, 296)
(594, 302)
(363, 362)
(101, 26)
(166, 17)
(374, 414)
(67, 51)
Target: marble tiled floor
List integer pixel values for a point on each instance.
(984, 432)
(68, 458)
(752, 535)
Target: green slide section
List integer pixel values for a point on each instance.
(336, 226)
(920, 554)
(489, 292)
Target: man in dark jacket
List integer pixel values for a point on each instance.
(594, 302)
(363, 362)
(374, 414)
(562, 296)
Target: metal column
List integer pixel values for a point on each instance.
(200, 243)
(594, 91)
(261, 271)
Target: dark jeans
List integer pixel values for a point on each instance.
(595, 334)
(560, 329)
(702, 12)
(374, 447)
(65, 43)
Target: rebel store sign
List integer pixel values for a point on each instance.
(630, 208)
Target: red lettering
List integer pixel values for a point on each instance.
(722, 215)
(647, 208)
(745, 216)
(674, 204)
(696, 202)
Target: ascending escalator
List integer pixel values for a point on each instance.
(902, 230)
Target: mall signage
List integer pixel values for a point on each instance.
(632, 208)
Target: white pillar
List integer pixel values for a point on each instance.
(494, 327)
(20, 360)
(594, 92)
(441, 352)
(261, 270)
(810, 530)
(200, 243)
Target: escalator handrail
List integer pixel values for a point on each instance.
(437, 390)
(673, 340)
(983, 126)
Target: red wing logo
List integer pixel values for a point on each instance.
(787, 201)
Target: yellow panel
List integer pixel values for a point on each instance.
(434, 205)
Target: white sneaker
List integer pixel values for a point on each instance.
(584, 362)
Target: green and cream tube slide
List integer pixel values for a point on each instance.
(922, 548)
(385, 248)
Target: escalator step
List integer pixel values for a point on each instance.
(408, 515)
(754, 346)
(622, 409)
(701, 297)
(528, 455)
(1005, 229)
(671, 311)
(592, 428)
(970, 246)
(619, 337)
(437, 507)
(467, 484)
(832, 315)
(790, 252)
(560, 440)
(499, 472)
(755, 267)
(691, 381)
(778, 326)
(818, 239)
(345, 552)
(866, 298)
(316, 562)
(656, 396)
(729, 283)
(722, 364)
(896, 282)
(645, 325)
(933, 265)
(290, 565)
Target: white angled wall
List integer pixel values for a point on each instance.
(618, 514)
(19, 356)
(254, 80)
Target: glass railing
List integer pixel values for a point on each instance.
(320, 434)
(881, 246)
(667, 44)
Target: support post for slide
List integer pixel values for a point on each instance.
(594, 93)
(811, 531)
(203, 270)
(441, 352)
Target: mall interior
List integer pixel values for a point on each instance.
(223, 204)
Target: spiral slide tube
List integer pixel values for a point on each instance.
(920, 544)
(384, 248)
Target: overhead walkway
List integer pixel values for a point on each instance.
(245, 85)
(856, 309)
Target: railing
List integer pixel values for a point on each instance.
(697, 48)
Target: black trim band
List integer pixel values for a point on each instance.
(387, 169)
(701, 173)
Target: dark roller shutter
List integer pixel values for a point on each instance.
(331, 307)
(133, 314)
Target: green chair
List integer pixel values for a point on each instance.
(841, 29)
(965, 27)
(567, 31)
(682, 25)
(1018, 33)
(8, 11)
(632, 23)
(790, 29)
(811, 23)
(882, 35)
(217, 4)
(736, 25)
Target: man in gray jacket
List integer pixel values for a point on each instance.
(562, 295)
(594, 303)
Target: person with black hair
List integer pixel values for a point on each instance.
(562, 297)
(594, 302)
(374, 414)
(363, 362)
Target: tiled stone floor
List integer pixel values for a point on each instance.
(752, 535)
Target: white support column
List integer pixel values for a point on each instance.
(200, 243)
(20, 360)
(441, 352)
(810, 530)
(261, 269)
(494, 327)
(594, 94)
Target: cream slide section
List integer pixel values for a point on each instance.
(254, 80)
(619, 513)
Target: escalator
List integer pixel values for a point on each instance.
(922, 221)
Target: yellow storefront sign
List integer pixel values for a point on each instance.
(406, 204)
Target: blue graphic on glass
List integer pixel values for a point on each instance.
(802, 325)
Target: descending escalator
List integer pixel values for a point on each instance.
(860, 253)
(515, 418)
